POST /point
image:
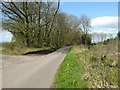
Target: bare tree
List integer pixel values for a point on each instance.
(85, 25)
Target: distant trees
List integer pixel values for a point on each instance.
(94, 37)
(105, 38)
(41, 24)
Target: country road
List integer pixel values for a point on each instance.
(31, 71)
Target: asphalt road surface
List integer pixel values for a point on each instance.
(31, 71)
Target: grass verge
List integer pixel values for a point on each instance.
(70, 72)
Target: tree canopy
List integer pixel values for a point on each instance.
(41, 24)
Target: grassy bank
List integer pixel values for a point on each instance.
(11, 49)
(84, 68)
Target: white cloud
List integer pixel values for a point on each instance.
(106, 22)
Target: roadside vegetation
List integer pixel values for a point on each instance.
(96, 67)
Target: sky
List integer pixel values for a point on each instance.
(103, 15)
(92, 9)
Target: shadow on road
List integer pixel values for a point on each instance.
(44, 52)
